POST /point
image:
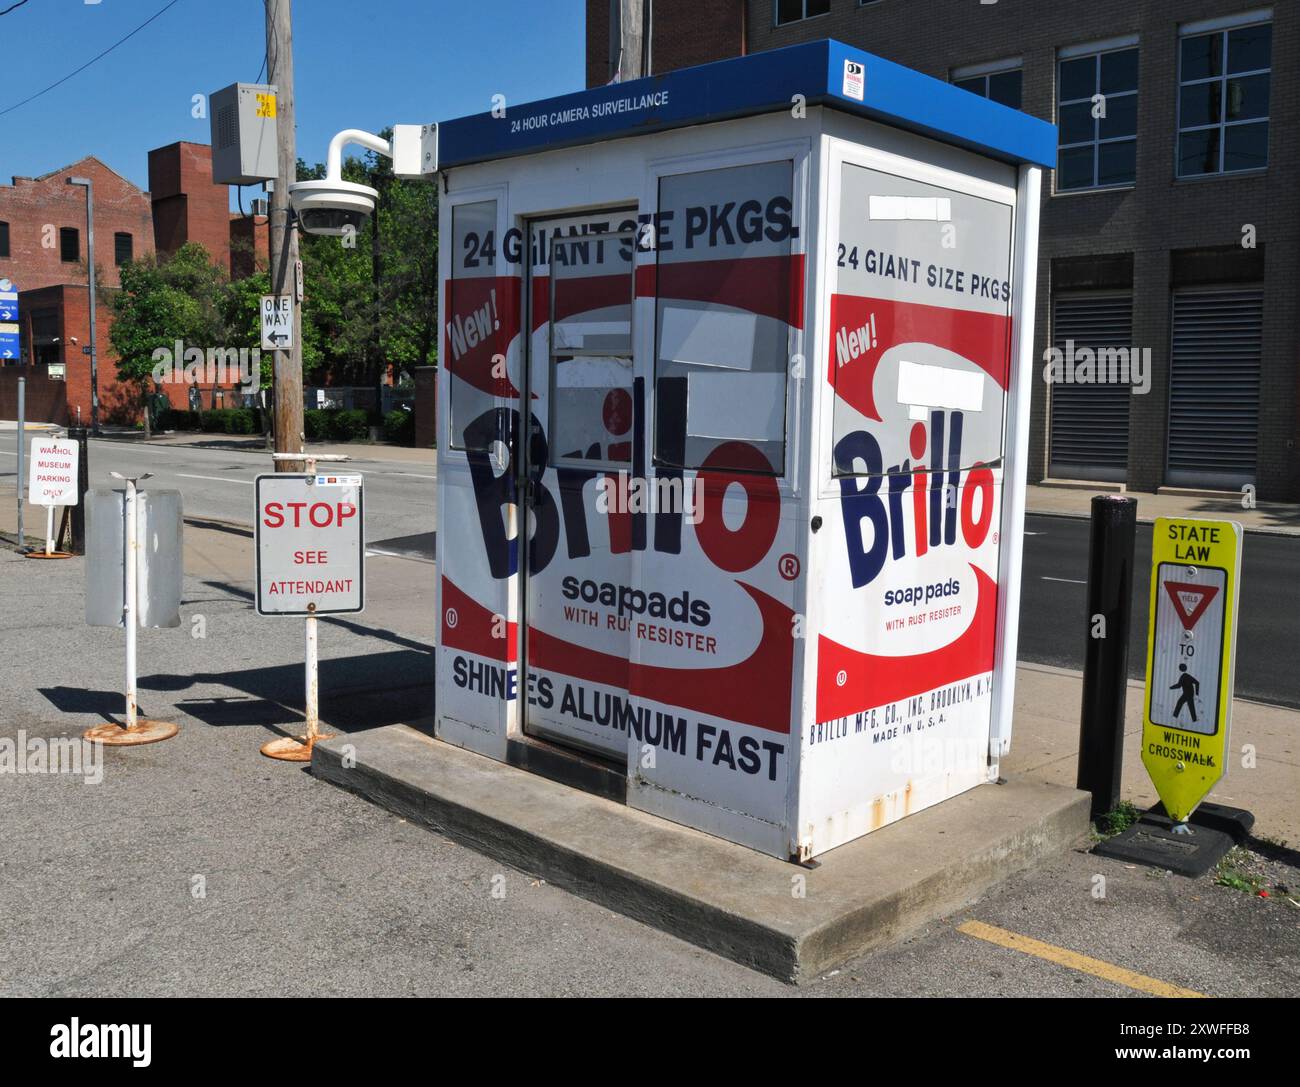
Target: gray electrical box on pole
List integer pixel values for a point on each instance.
(243, 120)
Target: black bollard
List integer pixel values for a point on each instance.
(1105, 659)
(78, 542)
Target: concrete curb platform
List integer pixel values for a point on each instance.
(723, 897)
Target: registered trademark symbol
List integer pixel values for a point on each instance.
(789, 566)
(452, 618)
(841, 678)
(995, 537)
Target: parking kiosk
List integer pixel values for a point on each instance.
(732, 428)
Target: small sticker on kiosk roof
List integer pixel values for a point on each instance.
(338, 481)
(855, 79)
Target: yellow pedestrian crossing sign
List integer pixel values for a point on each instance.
(1191, 658)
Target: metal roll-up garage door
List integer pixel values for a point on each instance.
(1214, 387)
(1089, 421)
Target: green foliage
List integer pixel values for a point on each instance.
(399, 427)
(240, 307)
(349, 424)
(1122, 816)
(178, 419)
(1234, 870)
(316, 424)
(371, 302)
(162, 301)
(230, 421)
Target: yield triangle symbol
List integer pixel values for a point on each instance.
(1190, 601)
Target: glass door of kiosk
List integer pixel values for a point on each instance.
(575, 471)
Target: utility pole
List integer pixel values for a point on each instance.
(282, 235)
(633, 39)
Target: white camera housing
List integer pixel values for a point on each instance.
(337, 207)
(332, 207)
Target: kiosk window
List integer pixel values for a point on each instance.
(728, 301)
(920, 331)
(591, 347)
(480, 317)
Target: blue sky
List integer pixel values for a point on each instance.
(359, 64)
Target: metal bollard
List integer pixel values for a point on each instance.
(79, 434)
(1105, 661)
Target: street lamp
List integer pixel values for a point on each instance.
(90, 261)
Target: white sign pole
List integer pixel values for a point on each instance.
(137, 730)
(288, 748)
(311, 698)
(130, 601)
(49, 530)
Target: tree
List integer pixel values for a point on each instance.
(371, 299)
(163, 301)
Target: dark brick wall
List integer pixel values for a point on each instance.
(1144, 225)
(32, 204)
(1157, 216)
(44, 400)
(187, 206)
(72, 303)
(249, 244)
(686, 33)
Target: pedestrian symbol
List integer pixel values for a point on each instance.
(1190, 658)
(1186, 683)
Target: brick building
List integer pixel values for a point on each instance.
(43, 250)
(1170, 224)
(187, 206)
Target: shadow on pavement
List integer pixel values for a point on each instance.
(356, 692)
(109, 705)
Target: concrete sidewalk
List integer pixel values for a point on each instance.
(249, 443)
(1070, 500)
(377, 451)
(1045, 747)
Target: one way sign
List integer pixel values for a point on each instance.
(277, 322)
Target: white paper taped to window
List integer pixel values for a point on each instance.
(580, 332)
(929, 208)
(707, 337)
(940, 387)
(721, 405)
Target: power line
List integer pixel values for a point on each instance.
(12, 6)
(88, 63)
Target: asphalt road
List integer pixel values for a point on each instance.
(1053, 607)
(196, 867)
(400, 506)
(218, 484)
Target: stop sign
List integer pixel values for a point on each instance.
(311, 546)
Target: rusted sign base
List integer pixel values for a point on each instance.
(143, 731)
(292, 748)
(49, 555)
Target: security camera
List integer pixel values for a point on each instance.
(332, 207)
(337, 207)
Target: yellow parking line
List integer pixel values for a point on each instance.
(1072, 959)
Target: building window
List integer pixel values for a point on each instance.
(4, 239)
(1096, 111)
(792, 11)
(999, 82)
(69, 244)
(1223, 93)
(122, 248)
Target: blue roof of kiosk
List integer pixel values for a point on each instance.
(759, 83)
